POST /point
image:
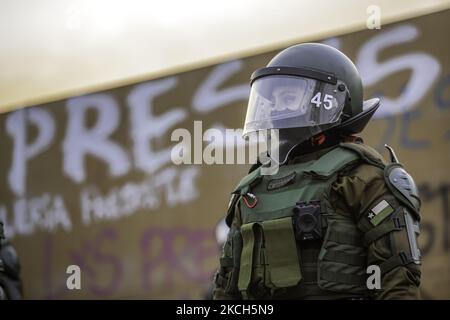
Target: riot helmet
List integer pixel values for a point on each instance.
(305, 90)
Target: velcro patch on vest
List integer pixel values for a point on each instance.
(281, 182)
(380, 212)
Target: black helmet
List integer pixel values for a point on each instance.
(307, 89)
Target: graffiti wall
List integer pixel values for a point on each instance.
(89, 180)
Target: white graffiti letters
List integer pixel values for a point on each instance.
(81, 141)
(16, 126)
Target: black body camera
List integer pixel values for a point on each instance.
(307, 221)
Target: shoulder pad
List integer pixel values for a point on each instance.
(403, 187)
(366, 153)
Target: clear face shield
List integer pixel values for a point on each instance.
(287, 102)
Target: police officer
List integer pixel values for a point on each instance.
(337, 221)
(10, 284)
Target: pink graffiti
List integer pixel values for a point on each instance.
(165, 257)
(185, 260)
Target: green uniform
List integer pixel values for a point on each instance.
(368, 214)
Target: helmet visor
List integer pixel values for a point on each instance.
(281, 101)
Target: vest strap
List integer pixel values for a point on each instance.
(333, 161)
(221, 281)
(351, 279)
(309, 258)
(245, 271)
(345, 258)
(226, 262)
(345, 238)
(400, 259)
(395, 224)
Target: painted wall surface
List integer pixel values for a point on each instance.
(89, 180)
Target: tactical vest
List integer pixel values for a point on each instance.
(274, 262)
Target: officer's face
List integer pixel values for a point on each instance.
(288, 98)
